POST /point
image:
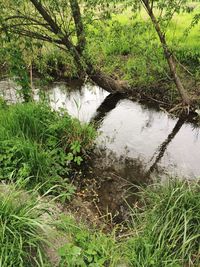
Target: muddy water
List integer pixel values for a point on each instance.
(134, 140)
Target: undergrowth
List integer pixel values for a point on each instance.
(42, 145)
(87, 247)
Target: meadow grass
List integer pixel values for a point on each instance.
(21, 227)
(167, 226)
(127, 47)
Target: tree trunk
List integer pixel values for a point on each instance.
(80, 32)
(83, 63)
(106, 82)
(168, 55)
(98, 77)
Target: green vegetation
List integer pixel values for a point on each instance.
(120, 48)
(117, 43)
(87, 247)
(167, 227)
(149, 44)
(42, 146)
(21, 225)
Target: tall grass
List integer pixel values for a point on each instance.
(127, 46)
(167, 227)
(41, 144)
(21, 227)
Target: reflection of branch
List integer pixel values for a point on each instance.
(165, 144)
(107, 105)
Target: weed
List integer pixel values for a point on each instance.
(87, 247)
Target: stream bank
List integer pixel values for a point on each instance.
(133, 138)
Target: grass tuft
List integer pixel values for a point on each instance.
(21, 225)
(41, 144)
(167, 227)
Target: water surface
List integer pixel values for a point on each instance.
(128, 130)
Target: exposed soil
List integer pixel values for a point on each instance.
(105, 191)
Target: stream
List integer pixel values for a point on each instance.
(133, 139)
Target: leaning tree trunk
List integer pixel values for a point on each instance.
(168, 55)
(97, 76)
(80, 32)
(81, 59)
(105, 81)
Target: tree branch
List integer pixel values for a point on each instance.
(54, 26)
(78, 25)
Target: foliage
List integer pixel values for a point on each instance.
(117, 34)
(87, 247)
(42, 145)
(16, 55)
(52, 64)
(167, 226)
(119, 46)
(21, 227)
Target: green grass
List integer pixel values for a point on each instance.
(41, 145)
(21, 227)
(164, 231)
(128, 48)
(167, 227)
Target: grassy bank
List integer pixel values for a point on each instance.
(127, 48)
(42, 146)
(21, 242)
(167, 226)
(164, 231)
(40, 150)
